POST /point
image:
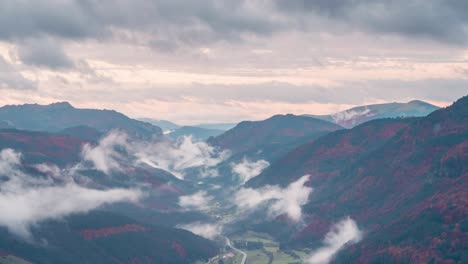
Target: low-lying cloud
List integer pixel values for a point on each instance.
(279, 200)
(206, 230)
(176, 157)
(26, 200)
(349, 115)
(247, 169)
(198, 201)
(179, 156)
(343, 233)
(105, 157)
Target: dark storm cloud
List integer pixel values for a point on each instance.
(174, 23)
(440, 20)
(176, 20)
(29, 18)
(44, 53)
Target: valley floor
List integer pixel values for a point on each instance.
(259, 249)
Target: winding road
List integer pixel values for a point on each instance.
(229, 244)
(244, 255)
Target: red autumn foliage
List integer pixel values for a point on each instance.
(90, 234)
(179, 248)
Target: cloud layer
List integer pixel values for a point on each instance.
(232, 60)
(105, 156)
(227, 20)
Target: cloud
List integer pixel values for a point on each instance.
(105, 156)
(179, 156)
(345, 116)
(237, 98)
(25, 208)
(123, 43)
(170, 22)
(44, 52)
(198, 201)
(175, 23)
(343, 233)
(66, 19)
(279, 200)
(26, 200)
(412, 19)
(10, 78)
(247, 169)
(206, 230)
(49, 169)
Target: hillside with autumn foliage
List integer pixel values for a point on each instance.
(404, 181)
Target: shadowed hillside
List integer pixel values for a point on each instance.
(59, 116)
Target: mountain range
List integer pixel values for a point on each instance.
(59, 116)
(398, 170)
(199, 132)
(358, 115)
(404, 180)
(273, 136)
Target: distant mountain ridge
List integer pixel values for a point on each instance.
(197, 133)
(358, 115)
(168, 125)
(273, 137)
(60, 116)
(218, 126)
(163, 124)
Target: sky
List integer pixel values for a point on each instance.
(206, 61)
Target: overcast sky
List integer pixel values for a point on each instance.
(198, 61)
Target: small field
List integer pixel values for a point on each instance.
(269, 253)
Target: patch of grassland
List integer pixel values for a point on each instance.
(259, 257)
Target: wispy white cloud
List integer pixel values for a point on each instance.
(247, 169)
(116, 150)
(104, 156)
(279, 200)
(343, 233)
(206, 230)
(199, 200)
(345, 116)
(181, 155)
(27, 200)
(49, 169)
